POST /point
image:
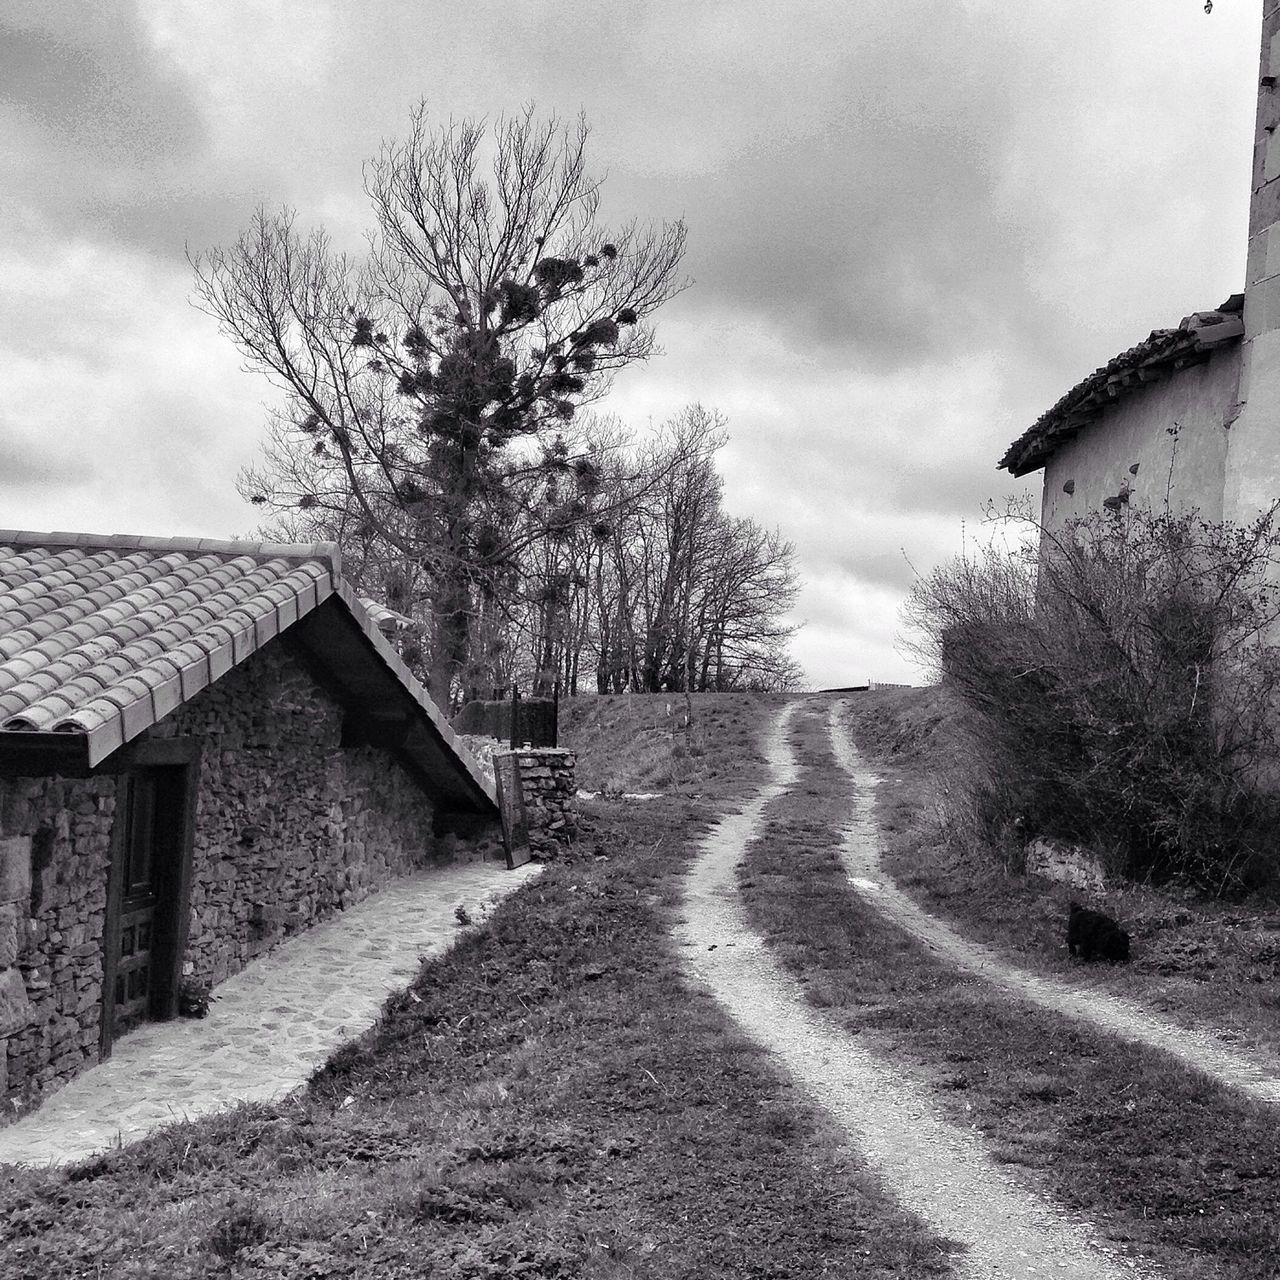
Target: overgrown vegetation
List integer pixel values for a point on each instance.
(1162, 1160)
(1200, 962)
(1122, 685)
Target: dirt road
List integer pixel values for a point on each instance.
(937, 1170)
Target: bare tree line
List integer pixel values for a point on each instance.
(430, 425)
(671, 592)
(623, 571)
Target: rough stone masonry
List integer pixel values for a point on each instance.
(290, 827)
(547, 776)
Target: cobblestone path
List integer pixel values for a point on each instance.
(271, 1025)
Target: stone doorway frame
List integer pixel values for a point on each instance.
(177, 762)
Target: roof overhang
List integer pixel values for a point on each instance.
(385, 704)
(1165, 352)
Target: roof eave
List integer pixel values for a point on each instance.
(1086, 401)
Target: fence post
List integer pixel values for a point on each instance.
(555, 714)
(515, 717)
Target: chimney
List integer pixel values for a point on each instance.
(1252, 481)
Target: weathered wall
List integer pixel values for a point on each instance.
(1253, 460)
(1199, 399)
(290, 826)
(55, 853)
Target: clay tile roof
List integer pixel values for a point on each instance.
(102, 636)
(1164, 351)
(92, 626)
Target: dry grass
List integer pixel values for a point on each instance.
(644, 742)
(1198, 961)
(1161, 1159)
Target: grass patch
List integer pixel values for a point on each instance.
(1164, 1161)
(1199, 962)
(549, 1100)
(642, 742)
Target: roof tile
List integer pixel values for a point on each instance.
(1165, 349)
(107, 634)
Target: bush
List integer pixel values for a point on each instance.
(1121, 679)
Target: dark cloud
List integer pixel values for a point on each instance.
(96, 92)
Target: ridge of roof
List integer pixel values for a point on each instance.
(327, 551)
(1195, 337)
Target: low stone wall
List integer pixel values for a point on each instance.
(549, 787)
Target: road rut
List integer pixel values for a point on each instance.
(860, 851)
(934, 1168)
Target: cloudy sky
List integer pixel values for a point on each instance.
(913, 224)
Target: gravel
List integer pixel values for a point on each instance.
(935, 1169)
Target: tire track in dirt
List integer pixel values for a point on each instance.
(860, 852)
(935, 1169)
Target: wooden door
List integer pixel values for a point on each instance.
(131, 988)
(146, 900)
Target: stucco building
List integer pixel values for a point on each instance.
(1215, 379)
(204, 748)
(1152, 423)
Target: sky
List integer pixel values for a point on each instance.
(912, 226)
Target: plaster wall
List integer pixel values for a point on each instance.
(1252, 481)
(1199, 399)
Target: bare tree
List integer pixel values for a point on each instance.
(677, 594)
(490, 307)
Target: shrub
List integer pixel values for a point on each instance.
(1121, 678)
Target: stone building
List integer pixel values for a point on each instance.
(204, 748)
(1216, 378)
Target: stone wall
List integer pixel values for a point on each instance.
(548, 783)
(55, 855)
(290, 827)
